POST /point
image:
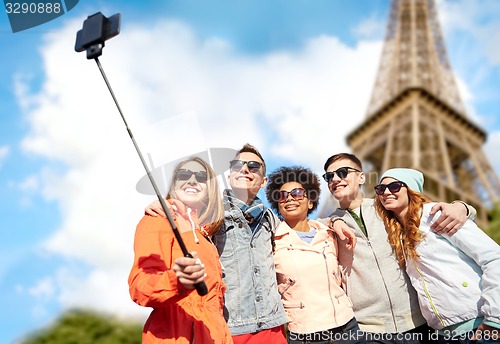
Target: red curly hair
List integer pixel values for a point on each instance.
(404, 239)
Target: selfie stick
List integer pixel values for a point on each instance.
(96, 29)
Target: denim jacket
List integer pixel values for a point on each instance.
(252, 302)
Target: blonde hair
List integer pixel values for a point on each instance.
(404, 239)
(212, 215)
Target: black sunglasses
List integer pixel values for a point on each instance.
(393, 187)
(183, 174)
(342, 172)
(237, 165)
(297, 194)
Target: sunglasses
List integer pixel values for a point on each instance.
(297, 194)
(393, 187)
(237, 165)
(342, 172)
(183, 174)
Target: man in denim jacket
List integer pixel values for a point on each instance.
(253, 307)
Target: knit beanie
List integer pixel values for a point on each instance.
(412, 178)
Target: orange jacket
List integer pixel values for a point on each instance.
(179, 315)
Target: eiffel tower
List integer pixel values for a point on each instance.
(416, 118)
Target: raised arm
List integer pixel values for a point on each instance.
(453, 216)
(344, 232)
(156, 278)
(154, 209)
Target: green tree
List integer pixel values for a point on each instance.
(494, 223)
(87, 327)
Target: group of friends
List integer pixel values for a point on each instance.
(394, 269)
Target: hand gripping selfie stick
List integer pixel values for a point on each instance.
(97, 29)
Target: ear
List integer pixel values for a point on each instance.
(264, 182)
(362, 178)
(310, 204)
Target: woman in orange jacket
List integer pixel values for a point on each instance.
(162, 278)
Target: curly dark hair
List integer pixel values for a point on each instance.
(299, 174)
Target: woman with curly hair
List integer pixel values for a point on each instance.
(457, 277)
(307, 267)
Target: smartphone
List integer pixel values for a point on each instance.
(97, 29)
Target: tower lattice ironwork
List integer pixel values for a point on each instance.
(416, 118)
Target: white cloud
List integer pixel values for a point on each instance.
(479, 19)
(4, 153)
(30, 184)
(179, 95)
(321, 95)
(28, 187)
(468, 99)
(472, 27)
(471, 32)
(371, 28)
(43, 289)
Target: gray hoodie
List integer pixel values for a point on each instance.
(383, 299)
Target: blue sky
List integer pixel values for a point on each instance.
(291, 77)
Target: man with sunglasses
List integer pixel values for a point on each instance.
(385, 304)
(252, 305)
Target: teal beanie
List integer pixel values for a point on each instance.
(412, 178)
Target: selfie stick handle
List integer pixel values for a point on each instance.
(201, 287)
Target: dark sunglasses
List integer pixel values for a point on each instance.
(237, 165)
(342, 172)
(183, 174)
(297, 194)
(393, 187)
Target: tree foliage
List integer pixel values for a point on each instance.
(494, 223)
(87, 327)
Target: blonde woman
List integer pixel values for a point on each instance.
(162, 278)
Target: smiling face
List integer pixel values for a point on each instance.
(294, 210)
(192, 192)
(246, 183)
(397, 202)
(348, 189)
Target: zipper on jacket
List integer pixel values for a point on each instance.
(434, 309)
(300, 305)
(381, 275)
(289, 282)
(386, 291)
(329, 283)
